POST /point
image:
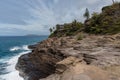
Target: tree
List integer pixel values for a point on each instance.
(86, 14)
(57, 27)
(113, 1)
(74, 23)
(50, 30)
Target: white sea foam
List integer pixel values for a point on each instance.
(24, 47)
(14, 48)
(13, 74)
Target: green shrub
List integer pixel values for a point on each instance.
(80, 36)
(68, 29)
(107, 22)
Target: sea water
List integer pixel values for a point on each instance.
(11, 48)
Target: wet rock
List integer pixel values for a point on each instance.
(38, 64)
(32, 46)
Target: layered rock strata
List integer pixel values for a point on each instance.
(93, 58)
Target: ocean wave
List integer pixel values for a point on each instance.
(16, 48)
(12, 73)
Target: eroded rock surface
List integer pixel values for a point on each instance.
(95, 54)
(77, 70)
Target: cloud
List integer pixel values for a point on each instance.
(43, 14)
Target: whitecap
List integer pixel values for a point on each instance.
(24, 47)
(15, 48)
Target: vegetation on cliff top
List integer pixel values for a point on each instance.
(106, 22)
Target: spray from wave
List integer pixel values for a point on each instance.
(12, 73)
(24, 47)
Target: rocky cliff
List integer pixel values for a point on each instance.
(66, 58)
(73, 53)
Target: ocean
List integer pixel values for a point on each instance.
(11, 48)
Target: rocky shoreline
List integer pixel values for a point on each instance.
(95, 57)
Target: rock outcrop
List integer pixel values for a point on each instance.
(92, 58)
(74, 69)
(39, 63)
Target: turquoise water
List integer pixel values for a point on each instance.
(10, 49)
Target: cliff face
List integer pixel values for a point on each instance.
(93, 54)
(40, 62)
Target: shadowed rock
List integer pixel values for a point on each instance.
(77, 70)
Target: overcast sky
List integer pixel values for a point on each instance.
(20, 17)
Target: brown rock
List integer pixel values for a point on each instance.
(78, 71)
(100, 51)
